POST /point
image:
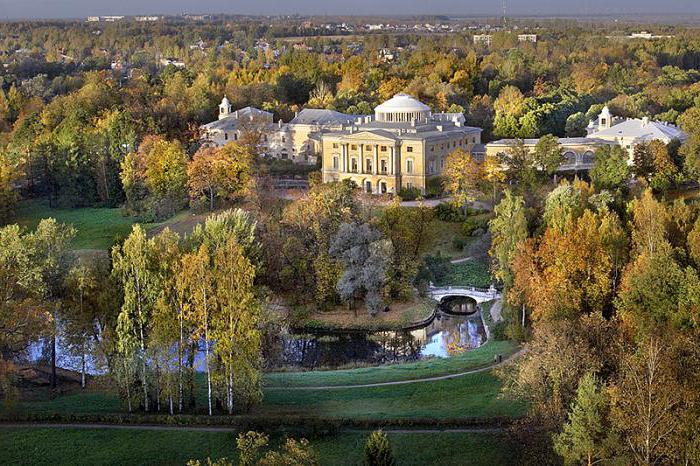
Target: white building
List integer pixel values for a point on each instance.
(484, 39)
(629, 132)
(298, 140)
(527, 37)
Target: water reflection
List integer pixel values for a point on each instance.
(447, 335)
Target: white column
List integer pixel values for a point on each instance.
(345, 158)
(393, 161)
(376, 159)
(362, 158)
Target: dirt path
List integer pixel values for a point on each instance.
(496, 311)
(19, 425)
(405, 382)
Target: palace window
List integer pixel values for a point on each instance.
(368, 148)
(335, 145)
(335, 162)
(409, 148)
(382, 148)
(409, 166)
(354, 165)
(235, 136)
(225, 136)
(353, 147)
(382, 165)
(284, 139)
(368, 164)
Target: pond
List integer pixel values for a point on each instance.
(457, 327)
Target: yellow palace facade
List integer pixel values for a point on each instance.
(403, 145)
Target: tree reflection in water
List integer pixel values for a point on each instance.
(446, 336)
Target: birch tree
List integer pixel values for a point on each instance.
(197, 282)
(132, 266)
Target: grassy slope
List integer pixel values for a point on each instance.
(469, 273)
(97, 228)
(43, 446)
(473, 396)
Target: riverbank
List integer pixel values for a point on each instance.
(400, 316)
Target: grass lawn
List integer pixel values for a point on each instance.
(474, 395)
(50, 446)
(98, 227)
(443, 234)
(471, 359)
(469, 273)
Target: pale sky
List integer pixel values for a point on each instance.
(13, 9)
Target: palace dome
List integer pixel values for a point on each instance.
(401, 108)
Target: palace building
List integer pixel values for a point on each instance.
(298, 141)
(606, 129)
(403, 145)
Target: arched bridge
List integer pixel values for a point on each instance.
(479, 295)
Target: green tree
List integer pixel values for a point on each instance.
(378, 451)
(585, 438)
(610, 169)
(548, 155)
(133, 268)
(508, 228)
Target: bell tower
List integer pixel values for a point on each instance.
(225, 108)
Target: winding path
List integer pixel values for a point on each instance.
(405, 382)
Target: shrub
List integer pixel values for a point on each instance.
(458, 243)
(378, 450)
(410, 194)
(448, 212)
(471, 224)
(433, 187)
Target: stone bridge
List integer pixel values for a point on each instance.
(479, 295)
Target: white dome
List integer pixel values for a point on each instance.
(402, 108)
(402, 103)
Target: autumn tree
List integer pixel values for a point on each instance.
(197, 281)
(409, 231)
(155, 177)
(462, 177)
(366, 257)
(218, 173)
(494, 173)
(9, 175)
(647, 403)
(132, 266)
(235, 326)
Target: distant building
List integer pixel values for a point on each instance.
(172, 61)
(527, 37)
(144, 19)
(483, 39)
(106, 19)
